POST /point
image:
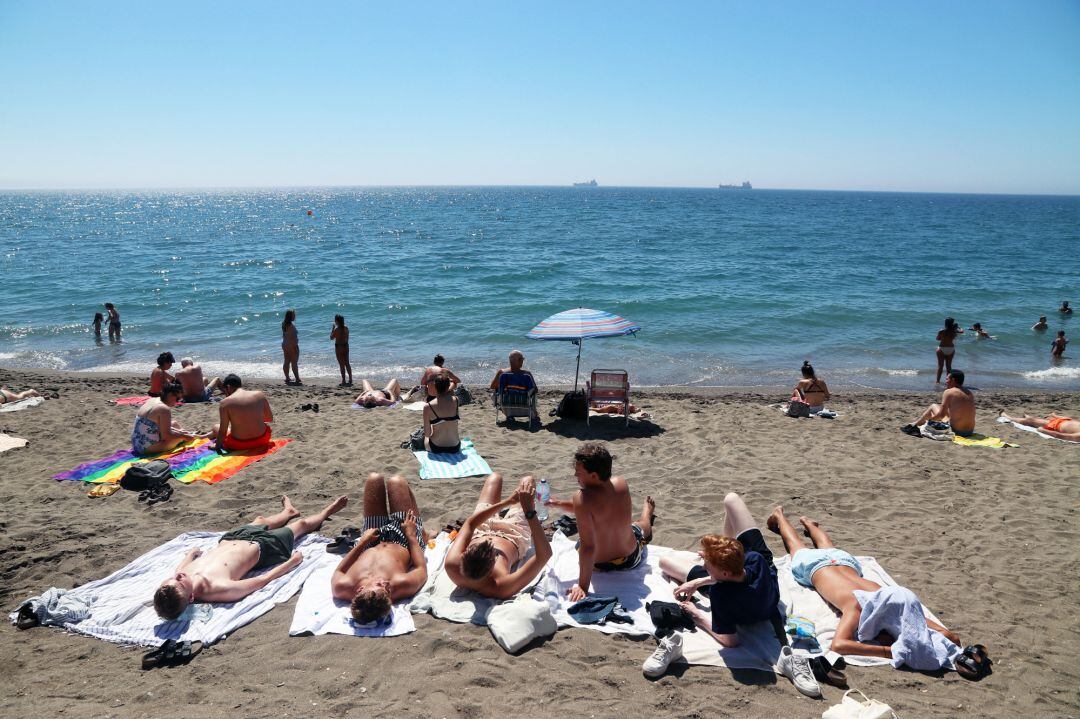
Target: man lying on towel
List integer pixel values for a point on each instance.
(1055, 425)
(837, 577)
(488, 547)
(610, 541)
(244, 415)
(387, 564)
(217, 575)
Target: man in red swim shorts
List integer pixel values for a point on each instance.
(1055, 425)
(244, 418)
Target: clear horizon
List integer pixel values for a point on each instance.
(969, 97)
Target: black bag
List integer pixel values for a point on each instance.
(142, 476)
(415, 442)
(464, 396)
(572, 406)
(668, 617)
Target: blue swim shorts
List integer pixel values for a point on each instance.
(807, 561)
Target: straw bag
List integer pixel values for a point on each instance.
(851, 708)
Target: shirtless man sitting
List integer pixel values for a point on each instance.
(196, 389)
(487, 552)
(1055, 425)
(387, 564)
(218, 575)
(244, 415)
(428, 378)
(160, 375)
(154, 429)
(610, 541)
(957, 408)
(836, 575)
(517, 366)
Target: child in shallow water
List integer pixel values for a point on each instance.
(98, 319)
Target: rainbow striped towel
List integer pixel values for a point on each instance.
(194, 460)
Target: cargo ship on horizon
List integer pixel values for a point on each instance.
(743, 186)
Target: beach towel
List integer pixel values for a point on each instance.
(825, 413)
(8, 442)
(193, 461)
(640, 415)
(448, 601)
(466, 463)
(981, 440)
(806, 603)
(378, 406)
(317, 612)
(121, 606)
(758, 647)
(415, 406)
(130, 401)
(1024, 427)
(21, 404)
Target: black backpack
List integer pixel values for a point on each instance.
(464, 396)
(572, 406)
(142, 476)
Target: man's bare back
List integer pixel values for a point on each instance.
(244, 414)
(958, 405)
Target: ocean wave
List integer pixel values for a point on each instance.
(1053, 373)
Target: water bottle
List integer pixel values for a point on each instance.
(550, 587)
(543, 494)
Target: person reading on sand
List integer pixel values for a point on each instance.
(838, 578)
(812, 389)
(340, 335)
(196, 389)
(218, 574)
(154, 430)
(6, 395)
(946, 338)
(957, 408)
(385, 397)
(739, 577)
(243, 418)
(488, 554)
(610, 540)
(1057, 347)
(517, 366)
(160, 375)
(441, 420)
(1055, 425)
(387, 564)
(1041, 325)
(437, 368)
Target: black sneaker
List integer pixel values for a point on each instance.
(911, 429)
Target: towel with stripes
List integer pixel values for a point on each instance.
(466, 463)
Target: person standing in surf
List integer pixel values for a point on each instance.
(290, 347)
(340, 335)
(946, 347)
(114, 322)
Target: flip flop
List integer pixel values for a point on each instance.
(27, 618)
(974, 663)
(171, 653)
(341, 545)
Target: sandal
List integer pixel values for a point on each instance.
(974, 663)
(171, 653)
(341, 545)
(27, 617)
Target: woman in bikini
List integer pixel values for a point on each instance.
(114, 322)
(340, 335)
(441, 420)
(812, 389)
(946, 336)
(372, 397)
(290, 347)
(154, 430)
(7, 395)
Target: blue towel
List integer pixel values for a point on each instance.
(466, 463)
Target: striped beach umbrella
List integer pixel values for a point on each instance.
(580, 324)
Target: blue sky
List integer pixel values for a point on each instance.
(923, 96)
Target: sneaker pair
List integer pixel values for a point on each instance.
(796, 667)
(911, 429)
(669, 649)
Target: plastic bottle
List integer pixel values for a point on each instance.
(543, 494)
(550, 587)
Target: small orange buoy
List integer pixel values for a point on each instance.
(310, 213)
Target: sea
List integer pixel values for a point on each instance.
(729, 287)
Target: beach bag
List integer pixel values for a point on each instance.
(851, 708)
(464, 396)
(142, 476)
(415, 442)
(937, 430)
(572, 406)
(796, 407)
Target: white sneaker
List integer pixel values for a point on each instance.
(796, 667)
(669, 649)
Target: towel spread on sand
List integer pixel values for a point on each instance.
(981, 440)
(21, 404)
(415, 406)
(448, 601)
(466, 463)
(8, 442)
(378, 406)
(193, 461)
(317, 612)
(824, 413)
(804, 602)
(122, 610)
(1024, 427)
(130, 401)
(758, 647)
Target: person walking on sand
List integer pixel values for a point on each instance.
(946, 338)
(1041, 325)
(290, 347)
(1057, 347)
(610, 541)
(114, 322)
(340, 335)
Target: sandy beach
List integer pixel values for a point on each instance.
(987, 538)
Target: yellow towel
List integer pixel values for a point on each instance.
(981, 440)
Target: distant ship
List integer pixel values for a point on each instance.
(590, 183)
(743, 186)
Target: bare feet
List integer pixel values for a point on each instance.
(287, 505)
(807, 524)
(773, 520)
(648, 516)
(337, 505)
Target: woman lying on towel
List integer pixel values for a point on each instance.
(7, 395)
(372, 397)
(1055, 425)
(892, 616)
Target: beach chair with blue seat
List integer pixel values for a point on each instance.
(608, 387)
(516, 396)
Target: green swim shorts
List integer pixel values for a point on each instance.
(275, 545)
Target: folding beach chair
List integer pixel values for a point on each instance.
(609, 387)
(516, 396)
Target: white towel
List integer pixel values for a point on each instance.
(758, 647)
(1024, 427)
(21, 404)
(448, 601)
(8, 442)
(123, 612)
(317, 612)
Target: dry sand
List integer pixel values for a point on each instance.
(988, 539)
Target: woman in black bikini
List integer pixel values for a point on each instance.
(813, 390)
(441, 420)
(946, 337)
(372, 397)
(340, 335)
